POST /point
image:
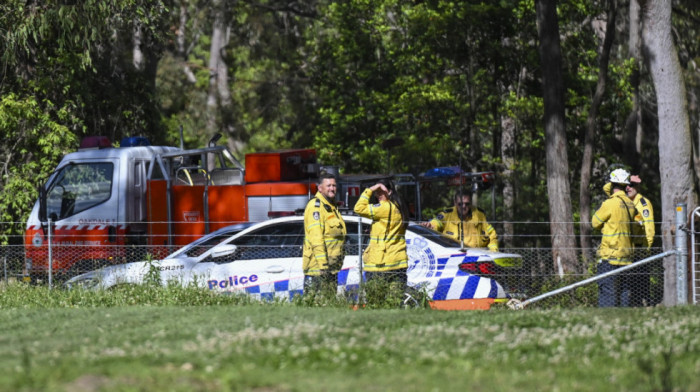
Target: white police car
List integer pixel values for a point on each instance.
(265, 260)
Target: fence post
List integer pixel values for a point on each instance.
(681, 255)
(50, 256)
(359, 259)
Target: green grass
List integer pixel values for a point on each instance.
(147, 339)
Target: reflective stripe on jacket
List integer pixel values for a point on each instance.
(324, 236)
(476, 231)
(387, 245)
(613, 219)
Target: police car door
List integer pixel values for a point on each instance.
(265, 263)
(349, 276)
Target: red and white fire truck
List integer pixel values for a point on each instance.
(106, 205)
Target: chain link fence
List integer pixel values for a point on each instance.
(24, 260)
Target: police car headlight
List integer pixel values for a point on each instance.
(85, 281)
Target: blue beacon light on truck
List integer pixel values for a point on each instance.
(134, 141)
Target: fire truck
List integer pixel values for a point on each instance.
(109, 205)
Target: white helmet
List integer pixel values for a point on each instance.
(620, 176)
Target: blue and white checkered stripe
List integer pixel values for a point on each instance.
(281, 289)
(467, 286)
(452, 262)
(276, 290)
(463, 285)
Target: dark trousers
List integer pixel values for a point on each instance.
(394, 277)
(327, 281)
(613, 286)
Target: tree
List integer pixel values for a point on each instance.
(675, 155)
(591, 127)
(239, 68)
(633, 126)
(68, 71)
(37, 141)
(558, 189)
(508, 157)
(220, 111)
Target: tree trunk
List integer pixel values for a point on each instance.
(182, 51)
(675, 156)
(591, 126)
(220, 113)
(558, 189)
(508, 157)
(136, 53)
(632, 140)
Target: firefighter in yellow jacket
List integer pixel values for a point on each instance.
(615, 219)
(643, 232)
(464, 223)
(385, 258)
(324, 240)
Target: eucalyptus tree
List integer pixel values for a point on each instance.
(675, 142)
(558, 187)
(592, 128)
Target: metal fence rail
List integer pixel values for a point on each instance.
(522, 304)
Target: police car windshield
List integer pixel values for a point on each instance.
(200, 246)
(434, 236)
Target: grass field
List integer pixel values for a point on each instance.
(171, 339)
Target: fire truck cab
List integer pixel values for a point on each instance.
(108, 205)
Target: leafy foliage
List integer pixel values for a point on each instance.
(374, 86)
(65, 74)
(37, 142)
(401, 70)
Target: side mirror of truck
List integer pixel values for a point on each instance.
(213, 140)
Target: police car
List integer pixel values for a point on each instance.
(264, 260)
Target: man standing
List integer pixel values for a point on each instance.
(614, 219)
(324, 240)
(643, 232)
(464, 223)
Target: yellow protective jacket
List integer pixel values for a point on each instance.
(324, 236)
(645, 219)
(387, 239)
(474, 229)
(614, 219)
(643, 231)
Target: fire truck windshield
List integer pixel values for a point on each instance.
(77, 187)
